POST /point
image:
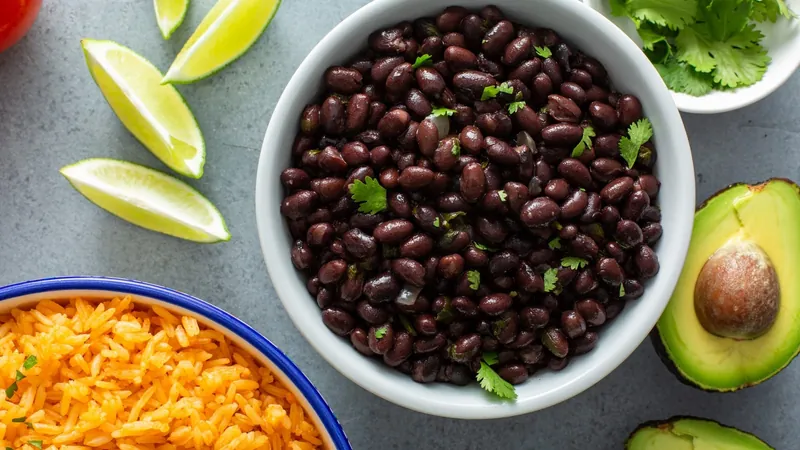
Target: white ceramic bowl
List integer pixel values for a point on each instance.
(28, 293)
(782, 41)
(632, 73)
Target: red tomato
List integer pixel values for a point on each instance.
(16, 18)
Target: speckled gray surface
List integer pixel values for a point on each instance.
(51, 114)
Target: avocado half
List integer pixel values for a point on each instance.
(691, 433)
(766, 217)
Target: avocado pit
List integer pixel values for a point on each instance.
(737, 294)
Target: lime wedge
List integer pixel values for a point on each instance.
(170, 15)
(148, 198)
(225, 33)
(156, 114)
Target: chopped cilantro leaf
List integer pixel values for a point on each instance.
(480, 246)
(371, 195)
(621, 290)
(638, 134)
(515, 106)
(544, 52)
(490, 358)
(550, 280)
(422, 60)
(19, 419)
(673, 14)
(30, 361)
(11, 390)
(436, 222)
(492, 382)
(513, 294)
(19, 376)
(492, 91)
(439, 112)
(407, 325)
(502, 194)
(381, 332)
(681, 77)
(474, 278)
(36, 443)
(586, 142)
(456, 148)
(555, 244)
(573, 262)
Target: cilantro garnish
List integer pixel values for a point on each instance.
(436, 222)
(493, 91)
(422, 60)
(19, 419)
(439, 112)
(550, 280)
(544, 52)
(621, 290)
(554, 244)
(456, 148)
(491, 381)
(381, 332)
(515, 106)
(371, 195)
(513, 294)
(446, 314)
(681, 77)
(480, 246)
(503, 195)
(30, 361)
(573, 262)
(407, 325)
(36, 443)
(474, 278)
(638, 133)
(586, 142)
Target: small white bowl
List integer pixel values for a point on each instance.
(781, 39)
(29, 293)
(628, 68)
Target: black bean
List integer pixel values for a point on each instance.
(646, 262)
(649, 184)
(495, 304)
(381, 338)
(617, 190)
(320, 234)
(517, 50)
(628, 234)
(584, 247)
(299, 204)
(338, 320)
(473, 182)
(474, 257)
(401, 349)
(651, 233)
(449, 20)
(496, 39)
(472, 82)
(302, 256)
(425, 370)
(629, 110)
(387, 41)
(410, 271)
(382, 288)
(513, 373)
(414, 178)
(450, 266)
(574, 205)
(539, 212)
(575, 172)
(358, 337)
(584, 344)
(603, 115)
(329, 188)
(554, 340)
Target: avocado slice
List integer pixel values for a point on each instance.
(754, 327)
(691, 433)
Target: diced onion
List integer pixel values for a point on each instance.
(408, 295)
(442, 124)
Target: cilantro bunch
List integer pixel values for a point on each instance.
(702, 45)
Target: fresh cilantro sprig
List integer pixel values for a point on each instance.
(490, 92)
(704, 45)
(586, 142)
(554, 244)
(638, 134)
(550, 280)
(370, 194)
(491, 381)
(474, 278)
(442, 111)
(544, 52)
(573, 262)
(422, 60)
(513, 107)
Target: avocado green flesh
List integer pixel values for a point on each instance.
(693, 434)
(768, 215)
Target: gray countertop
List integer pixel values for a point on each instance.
(52, 114)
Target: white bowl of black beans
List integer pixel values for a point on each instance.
(487, 228)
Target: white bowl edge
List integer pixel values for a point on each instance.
(631, 72)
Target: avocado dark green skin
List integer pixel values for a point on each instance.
(655, 336)
(673, 419)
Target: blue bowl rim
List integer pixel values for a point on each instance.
(199, 307)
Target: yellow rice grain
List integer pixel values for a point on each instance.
(118, 375)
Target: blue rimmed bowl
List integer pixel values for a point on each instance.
(28, 293)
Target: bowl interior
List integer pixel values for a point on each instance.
(632, 73)
(198, 309)
(781, 39)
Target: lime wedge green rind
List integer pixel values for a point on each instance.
(148, 198)
(225, 34)
(170, 15)
(157, 115)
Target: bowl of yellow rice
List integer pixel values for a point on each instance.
(105, 363)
